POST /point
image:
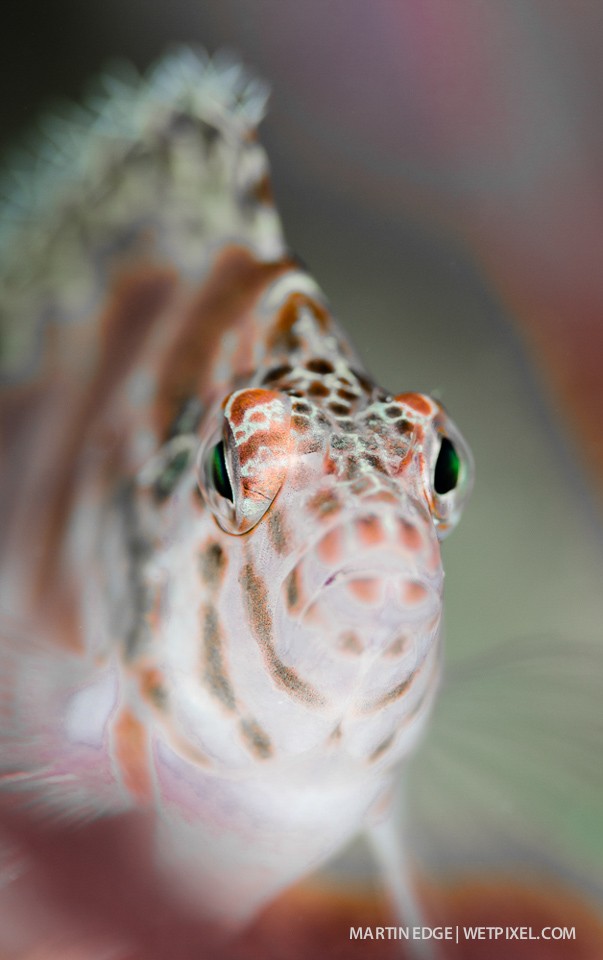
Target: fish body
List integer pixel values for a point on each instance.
(222, 580)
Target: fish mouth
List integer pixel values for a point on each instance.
(373, 582)
(359, 611)
(359, 593)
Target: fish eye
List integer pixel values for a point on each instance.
(449, 474)
(447, 468)
(219, 472)
(244, 456)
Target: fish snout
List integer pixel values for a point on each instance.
(374, 583)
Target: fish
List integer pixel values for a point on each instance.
(222, 582)
(221, 560)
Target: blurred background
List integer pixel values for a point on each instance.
(438, 166)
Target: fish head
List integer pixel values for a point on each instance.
(334, 497)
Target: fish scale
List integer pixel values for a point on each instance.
(223, 539)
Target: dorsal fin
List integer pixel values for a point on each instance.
(160, 168)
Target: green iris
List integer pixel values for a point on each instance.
(447, 468)
(219, 473)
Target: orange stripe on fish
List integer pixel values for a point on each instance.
(131, 752)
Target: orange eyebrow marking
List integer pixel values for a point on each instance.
(417, 402)
(275, 439)
(247, 400)
(132, 755)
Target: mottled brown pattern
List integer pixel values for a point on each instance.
(397, 647)
(277, 530)
(228, 294)
(318, 389)
(276, 373)
(302, 424)
(324, 503)
(214, 669)
(256, 739)
(310, 445)
(352, 468)
(390, 697)
(318, 365)
(262, 190)
(261, 621)
(257, 604)
(404, 427)
(382, 748)
(339, 409)
(213, 562)
(347, 395)
(283, 336)
(341, 442)
(375, 463)
(363, 380)
(361, 485)
(349, 643)
(292, 589)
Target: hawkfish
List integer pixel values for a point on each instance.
(222, 581)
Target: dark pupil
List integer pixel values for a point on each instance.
(447, 467)
(219, 473)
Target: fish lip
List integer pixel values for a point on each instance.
(363, 507)
(362, 570)
(347, 573)
(356, 569)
